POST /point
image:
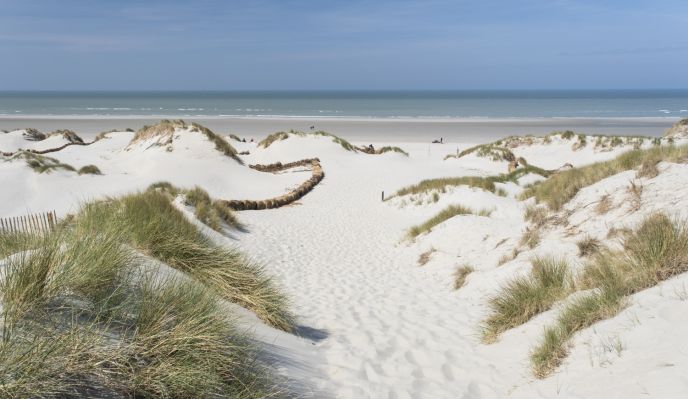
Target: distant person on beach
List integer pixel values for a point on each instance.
(312, 127)
(371, 148)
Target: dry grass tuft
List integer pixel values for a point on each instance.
(536, 215)
(531, 237)
(604, 205)
(635, 193)
(461, 274)
(588, 246)
(424, 258)
(648, 169)
(508, 257)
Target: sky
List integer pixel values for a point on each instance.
(355, 44)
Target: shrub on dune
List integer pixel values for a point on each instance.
(524, 297)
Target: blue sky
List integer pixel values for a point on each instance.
(298, 44)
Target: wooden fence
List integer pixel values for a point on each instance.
(35, 223)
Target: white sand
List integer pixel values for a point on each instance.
(376, 324)
(374, 129)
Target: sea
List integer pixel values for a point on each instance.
(492, 104)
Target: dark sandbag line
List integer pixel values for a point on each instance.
(317, 175)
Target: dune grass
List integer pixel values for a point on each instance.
(221, 144)
(159, 230)
(480, 182)
(441, 183)
(41, 163)
(385, 149)
(13, 242)
(655, 251)
(524, 297)
(563, 186)
(81, 317)
(211, 213)
(536, 215)
(278, 136)
(89, 170)
(447, 213)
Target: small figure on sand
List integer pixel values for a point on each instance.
(371, 148)
(440, 141)
(312, 127)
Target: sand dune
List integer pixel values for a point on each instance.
(373, 322)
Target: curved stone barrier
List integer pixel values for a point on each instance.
(317, 175)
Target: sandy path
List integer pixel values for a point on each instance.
(392, 329)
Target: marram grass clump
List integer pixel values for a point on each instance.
(524, 297)
(156, 228)
(84, 315)
(656, 251)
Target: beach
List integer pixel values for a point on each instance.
(379, 310)
(360, 129)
